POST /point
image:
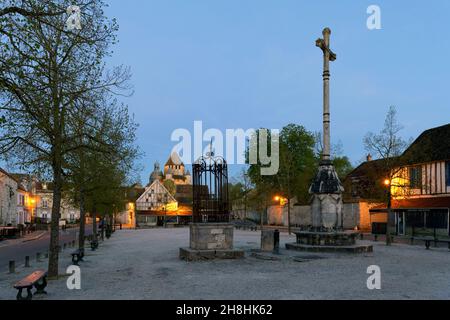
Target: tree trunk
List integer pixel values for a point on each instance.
(389, 219)
(54, 231)
(245, 207)
(289, 215)
(82, 222)
(103, 228)
(262, 215)
(94, 225)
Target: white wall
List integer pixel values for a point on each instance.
(8, 200)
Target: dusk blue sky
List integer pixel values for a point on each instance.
(250, 64)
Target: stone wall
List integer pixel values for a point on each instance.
(241, 214)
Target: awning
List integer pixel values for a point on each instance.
(416, 203)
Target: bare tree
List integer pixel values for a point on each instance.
(388, 146)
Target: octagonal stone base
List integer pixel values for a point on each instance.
(337, 249)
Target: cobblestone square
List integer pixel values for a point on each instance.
(144, 264)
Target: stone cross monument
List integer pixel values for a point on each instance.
(326, 188)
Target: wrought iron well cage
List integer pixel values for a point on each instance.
(210, 190)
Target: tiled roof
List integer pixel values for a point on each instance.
(431, 145)
(368, 167)
(174, 160)
(9, 174)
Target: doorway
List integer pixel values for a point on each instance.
(401, 223)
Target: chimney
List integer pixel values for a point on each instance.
(369, 157)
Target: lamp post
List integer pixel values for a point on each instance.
(282, 201)
(388, 184)
(165, 209)
(164, 218)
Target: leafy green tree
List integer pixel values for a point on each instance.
(95, 167)
(343, 166)
(47, 74)
(297, 167)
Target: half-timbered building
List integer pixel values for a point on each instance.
(419, 189)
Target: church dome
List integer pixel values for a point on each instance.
(156, 174)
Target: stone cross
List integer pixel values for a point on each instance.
(328, 56)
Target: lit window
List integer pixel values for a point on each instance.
(415, 177)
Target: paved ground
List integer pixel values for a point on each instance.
(144, 264)
(33, 243)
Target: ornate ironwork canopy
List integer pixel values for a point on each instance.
(210, 190)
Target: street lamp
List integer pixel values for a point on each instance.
(164, 221)
(388, 184)
(165, 199)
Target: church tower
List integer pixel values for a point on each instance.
(156, 174)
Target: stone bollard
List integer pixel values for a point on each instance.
(27, 261)
(38, 257)
(389, 239)
(270, 241)
(12, 266)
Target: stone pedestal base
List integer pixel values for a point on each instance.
(344, 241)
(211, 241)
(326, 204)
(339, 249)
(189, 254)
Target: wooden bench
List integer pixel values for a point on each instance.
(94, 244)
(77, 256)
(428, 241)
(38, 279)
